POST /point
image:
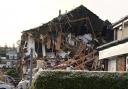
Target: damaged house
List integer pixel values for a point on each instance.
(71, 38)
(115, 53)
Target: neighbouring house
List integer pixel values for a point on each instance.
(8, 57)
(11, 54)
(73, 35)
(114, 55)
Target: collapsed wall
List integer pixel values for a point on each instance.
(75, 34)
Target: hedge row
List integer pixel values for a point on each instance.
(80, 80)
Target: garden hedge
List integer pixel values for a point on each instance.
(80, 80)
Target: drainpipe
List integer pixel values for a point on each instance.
(31, 59)
(122, 29)
(115, 34)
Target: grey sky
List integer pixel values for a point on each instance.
(19, 15)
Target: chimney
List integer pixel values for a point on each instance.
(59, 12)
(66, 11)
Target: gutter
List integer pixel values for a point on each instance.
(113, 43)
(121, 20)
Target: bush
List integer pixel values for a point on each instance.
(80, 80)
(11, 72)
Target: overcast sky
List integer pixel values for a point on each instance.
(19, 15)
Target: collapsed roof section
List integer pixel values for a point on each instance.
(78, 22)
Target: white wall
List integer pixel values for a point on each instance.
(31, 44)
(114, 51)
(112, 64)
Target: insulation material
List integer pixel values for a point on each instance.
(86, 38)
(121, 63)
(62, 54)
(70, 41)
(114, 51)
(58, 41)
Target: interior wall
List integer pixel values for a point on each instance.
(38, 48)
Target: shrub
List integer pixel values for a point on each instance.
(11, 72)
(80, 80)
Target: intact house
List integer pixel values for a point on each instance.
(115, 54)
(61, 37)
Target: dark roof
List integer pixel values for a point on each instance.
(113, 43)
(77, 13)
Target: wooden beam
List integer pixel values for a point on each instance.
(77, 20)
